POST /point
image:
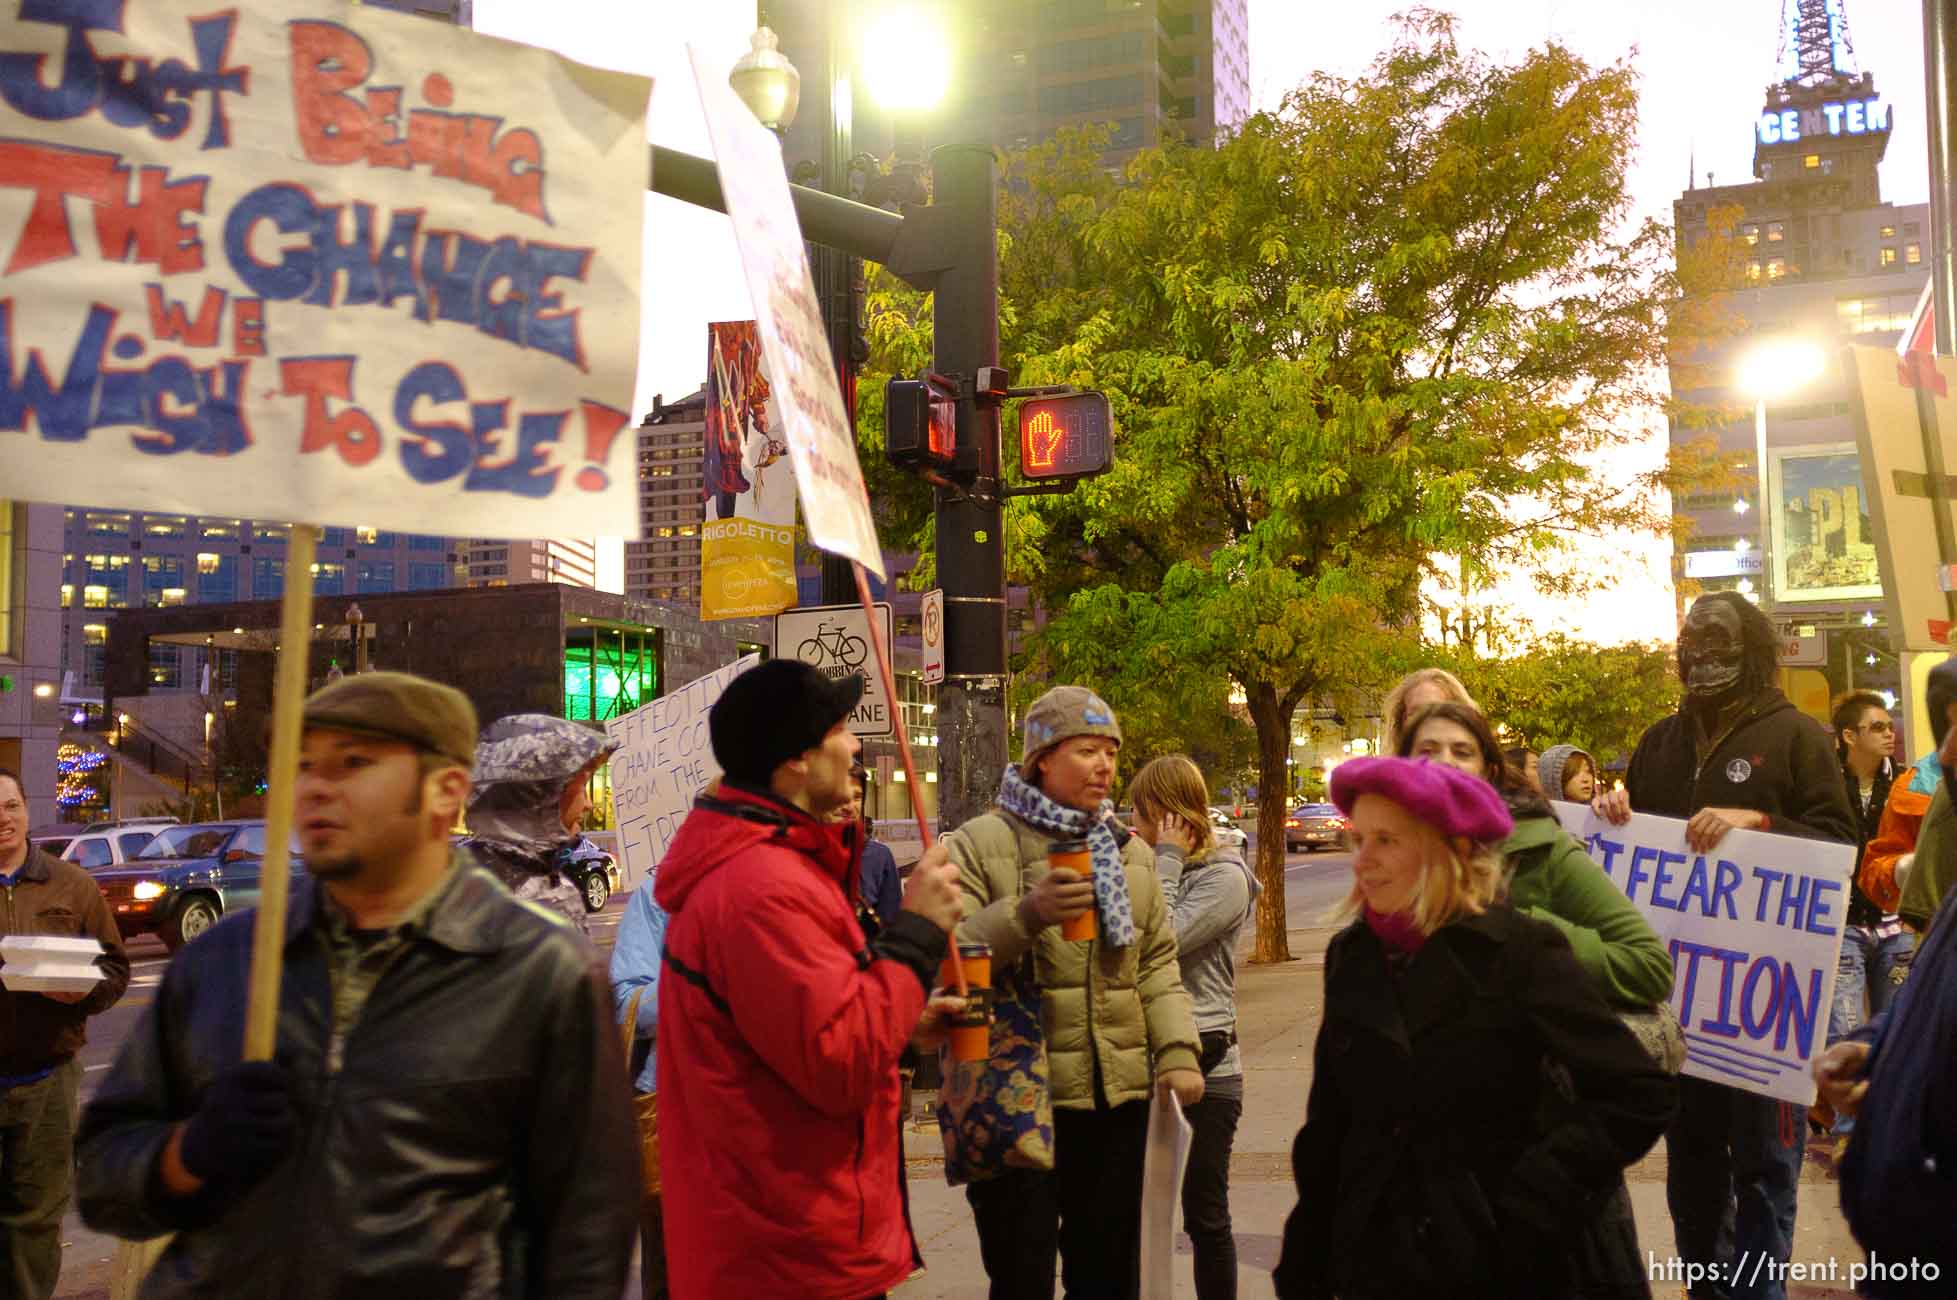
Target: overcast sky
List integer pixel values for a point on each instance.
(1703, 67)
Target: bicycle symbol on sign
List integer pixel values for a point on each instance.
(832, 644)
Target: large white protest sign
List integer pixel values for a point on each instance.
(1754, 929)
(835, 505)
(316, 261)
(664, 759)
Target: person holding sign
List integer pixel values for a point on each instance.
(446, 1109)
(40, 1033)
(779, 1028)
(1117, 1022)
(1435, 1159)
(1737, 755)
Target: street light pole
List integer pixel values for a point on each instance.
(971, 547)
(1763, 505)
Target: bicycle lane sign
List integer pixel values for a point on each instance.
(836, 639)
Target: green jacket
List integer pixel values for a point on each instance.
(1934, 870)
(1123, 1006)
(1559, 883)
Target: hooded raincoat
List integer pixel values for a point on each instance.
(523, 763)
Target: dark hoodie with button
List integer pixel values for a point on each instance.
(1772, 759)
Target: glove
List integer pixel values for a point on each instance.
(244, 1127)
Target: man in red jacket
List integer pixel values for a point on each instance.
(779, 1030)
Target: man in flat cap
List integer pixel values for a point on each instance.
(445, 1113)
(779, 1027)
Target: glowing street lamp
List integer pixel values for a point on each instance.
(1774, 369)
(767, 82)
(906, 59)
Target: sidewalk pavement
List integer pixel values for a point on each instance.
(1277, 1020)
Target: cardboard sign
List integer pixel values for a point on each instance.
(835, 505)
(664, 759)
(315, 261)
(1754, 929)
(836, 639)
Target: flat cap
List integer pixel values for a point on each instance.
(1449, 800)
(398, 706)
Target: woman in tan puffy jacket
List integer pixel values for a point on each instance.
(1113, 1012)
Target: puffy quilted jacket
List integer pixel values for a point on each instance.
(1122, 1007)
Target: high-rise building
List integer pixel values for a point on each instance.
(30, 651)
(665, 563)
(1153, 69)
(502, 562)
(1826, 262)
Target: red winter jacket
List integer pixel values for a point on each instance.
(779, 1035)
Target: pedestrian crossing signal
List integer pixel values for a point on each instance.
(1066, 437)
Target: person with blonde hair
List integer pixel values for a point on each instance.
(1210, 892)
(1420, 689)
(1432, 1163)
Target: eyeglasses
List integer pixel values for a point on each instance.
(1884, 728)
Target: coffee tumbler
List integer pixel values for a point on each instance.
(1075, 856)
(971, 1028)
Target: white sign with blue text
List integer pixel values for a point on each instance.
(1754, 929)
(664, 759)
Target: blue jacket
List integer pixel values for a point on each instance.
(883, 889)
(635, 965)
(1899, 1179)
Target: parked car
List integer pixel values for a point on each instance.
(1313, 826)
(186, 878)
(94, 850)
(1228, 834)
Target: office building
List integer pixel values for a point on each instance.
(1825, 263)
(502, 562)
(30, 650)
(665, 563)
(1152, 69)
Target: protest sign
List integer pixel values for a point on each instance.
(747, 542)
(1165, 1158)
(1754, 929)
(315, 261)
(664, 758)
(835, 505)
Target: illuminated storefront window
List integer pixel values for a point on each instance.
(609, 672)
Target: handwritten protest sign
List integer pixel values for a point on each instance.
(1754, 929)
(664, 759)
(318, 262)
(835, 506)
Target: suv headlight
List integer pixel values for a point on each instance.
(147, 889)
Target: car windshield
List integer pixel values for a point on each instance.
(188, 842)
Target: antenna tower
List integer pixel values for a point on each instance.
(1817, 26)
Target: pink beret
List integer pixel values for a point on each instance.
(1449, 800)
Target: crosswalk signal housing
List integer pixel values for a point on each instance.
(920, 429)
(1066, 437)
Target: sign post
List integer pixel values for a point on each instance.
(931, 617)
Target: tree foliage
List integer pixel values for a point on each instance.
(1562, 691)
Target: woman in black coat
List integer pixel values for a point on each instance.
(1432, 1162)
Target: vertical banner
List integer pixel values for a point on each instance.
(1902, 404)
(747, 542)
(664, 759)
(316, 261)
(835, 505)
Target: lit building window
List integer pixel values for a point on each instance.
(1913, 254)
(1750, 234)
(1776, 268)
(1812, 162)
(1887, 232)
(1887, 257)
(1776, 232)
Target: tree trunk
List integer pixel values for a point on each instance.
(1273, 723)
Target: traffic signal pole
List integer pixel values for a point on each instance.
(971, 713)
(949, 248)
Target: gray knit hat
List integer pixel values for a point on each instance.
(1061, 714)
(1549, 768)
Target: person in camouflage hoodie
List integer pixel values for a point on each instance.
(528, 805)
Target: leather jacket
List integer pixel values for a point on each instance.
(476, 1140)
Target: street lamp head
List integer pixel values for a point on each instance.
(767, 82)
(906, 59)
(1782, 366)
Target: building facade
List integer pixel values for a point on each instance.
(30, 651)
(1824, 263)
(503, 562)
(1154, 70)
(664, 564)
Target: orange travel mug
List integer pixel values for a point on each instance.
(971, 1028)
(1075, 856)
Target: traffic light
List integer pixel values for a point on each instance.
(1066, 437)
(920, 424)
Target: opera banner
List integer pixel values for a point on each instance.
(747, 542)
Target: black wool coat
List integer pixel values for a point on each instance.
(1431, 1162)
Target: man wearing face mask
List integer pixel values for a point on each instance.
(1736, 756)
